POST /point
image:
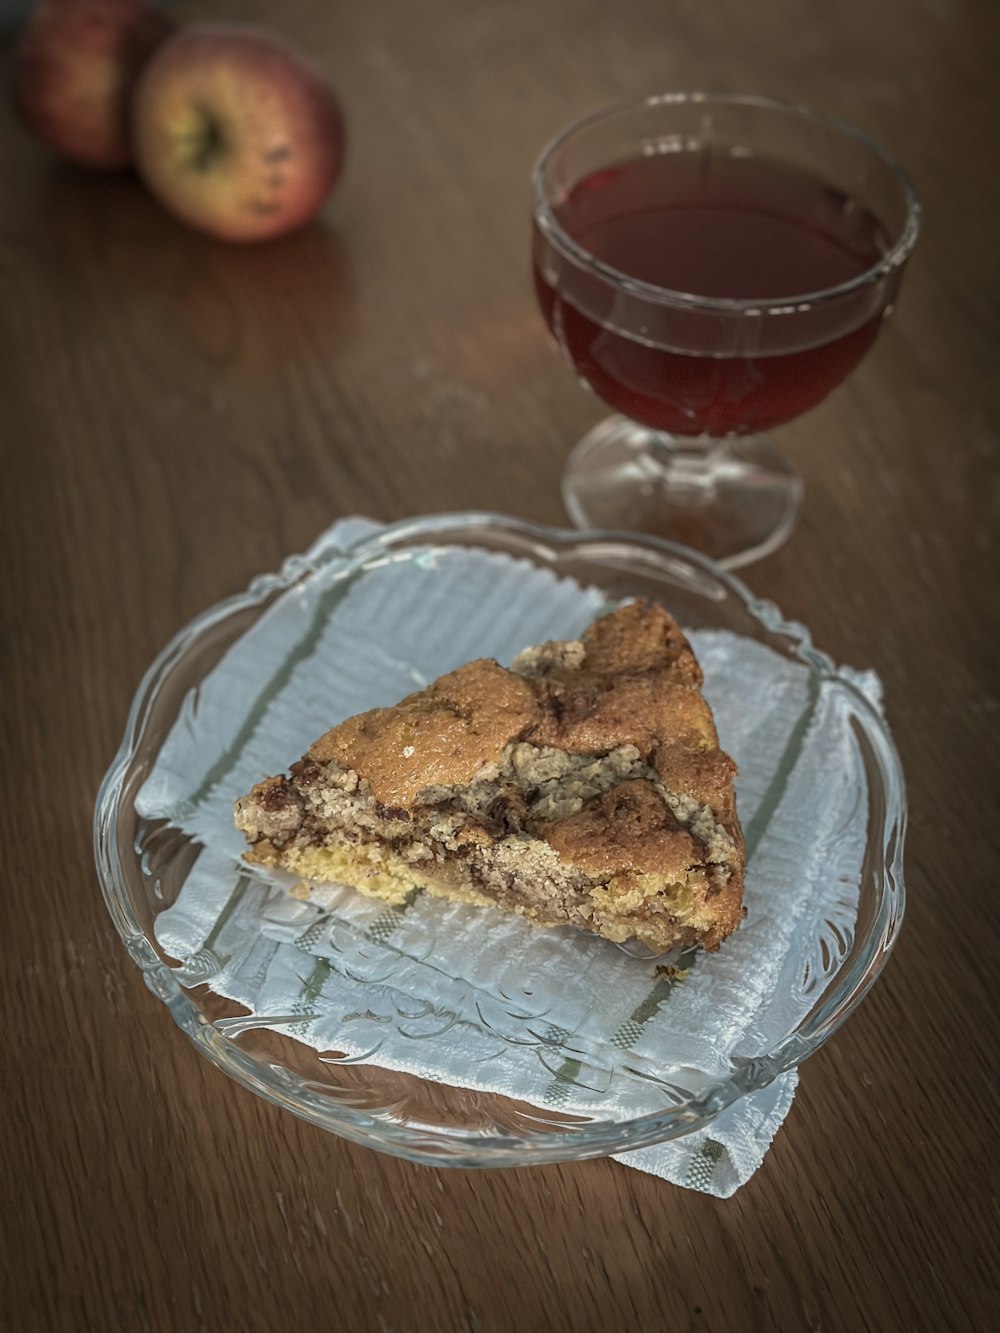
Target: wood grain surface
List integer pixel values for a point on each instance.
(177, 415)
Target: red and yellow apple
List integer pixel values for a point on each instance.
(73, 71)
(236, 133)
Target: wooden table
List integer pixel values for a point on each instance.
(178, 415)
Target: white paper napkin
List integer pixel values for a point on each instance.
(469, 996)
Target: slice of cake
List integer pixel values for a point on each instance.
(583, 786)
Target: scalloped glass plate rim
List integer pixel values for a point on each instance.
(468, 1148)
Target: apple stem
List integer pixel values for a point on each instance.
(207, 141)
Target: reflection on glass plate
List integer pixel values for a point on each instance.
(455, 1034)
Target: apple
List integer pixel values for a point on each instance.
(235, 132)
(74, 67)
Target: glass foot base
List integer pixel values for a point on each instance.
(735, 500)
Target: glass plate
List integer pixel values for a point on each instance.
(374, 1079)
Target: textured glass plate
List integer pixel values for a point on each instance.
(144, 862)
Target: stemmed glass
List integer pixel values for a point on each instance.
(712, 265)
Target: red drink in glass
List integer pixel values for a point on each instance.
(729, 228)
(712, 265)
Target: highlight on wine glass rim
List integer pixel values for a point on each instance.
(670, 145)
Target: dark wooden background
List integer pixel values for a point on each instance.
(177, 415)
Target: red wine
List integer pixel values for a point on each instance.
(712, 225)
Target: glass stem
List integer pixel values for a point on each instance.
(689, 465)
